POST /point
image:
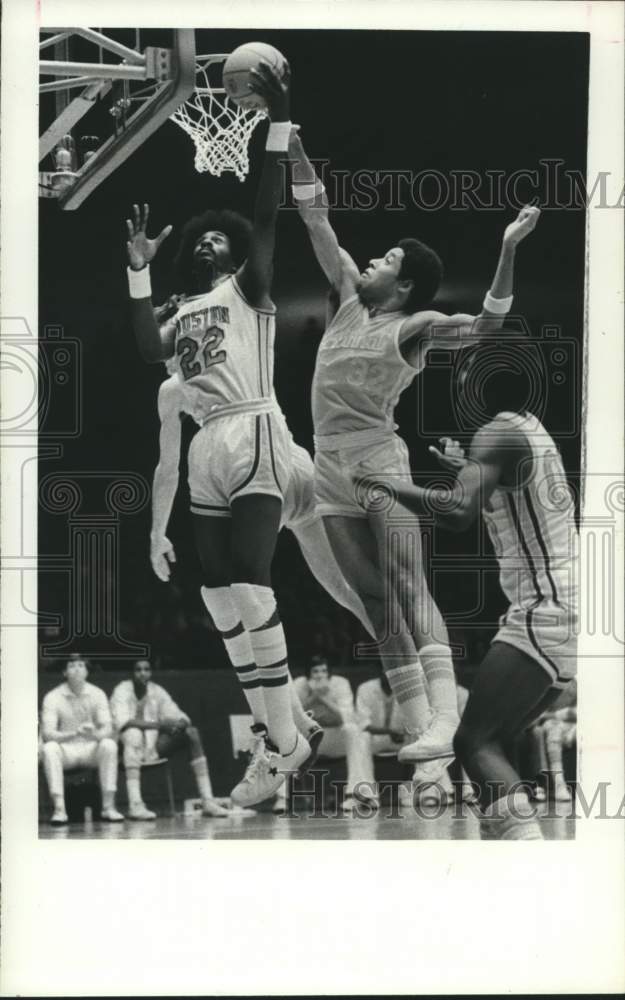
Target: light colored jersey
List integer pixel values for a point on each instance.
(63, 711)
(532, 527)
(224, 351)
(157, 705)
(360, 374)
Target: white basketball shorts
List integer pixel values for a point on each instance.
(335, 489)
(238, 455)
(546, 632)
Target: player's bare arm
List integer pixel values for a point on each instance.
(255, 275)
(166, 474)
(430, 328)
(496, 452)
(155, 339)
(312, 204)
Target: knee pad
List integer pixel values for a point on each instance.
(255, 604)
(221, 607)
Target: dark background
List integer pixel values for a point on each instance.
(366, 100)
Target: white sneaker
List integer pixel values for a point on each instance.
(59, 818)
(437, 741)
(293, 762)
(111, 815)
(212, 808)
(140, 812)
(438, 792)
(261, 780)
(430, 771)
(267, 771)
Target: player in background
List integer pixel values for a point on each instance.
(372, 350)
(514, 476)
(239, 461)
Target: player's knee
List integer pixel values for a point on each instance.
(107, 747)
(256, 604)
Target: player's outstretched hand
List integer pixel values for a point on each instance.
(522, 226)
(452, 456)
(141, 249)
(275, 88)
(161, 555)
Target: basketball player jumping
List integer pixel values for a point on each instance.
(240, 460)
(371, 351)
(298, 515)
(514, 476)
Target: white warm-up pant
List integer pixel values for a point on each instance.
(59, 757)
(348, 741)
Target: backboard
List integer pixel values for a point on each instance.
(103, 93)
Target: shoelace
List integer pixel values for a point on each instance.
(258, 755)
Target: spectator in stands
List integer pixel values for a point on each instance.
(151, 726)
(76, 731)
(379, 716)
(330, 701)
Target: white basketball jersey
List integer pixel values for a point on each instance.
(532, 527)
(360, 372)
(224, 350)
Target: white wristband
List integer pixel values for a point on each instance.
(278, 137)
(498, 306)
(139, 284)
(307, 192)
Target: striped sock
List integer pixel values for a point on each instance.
(408, 685)
(269, 647)
(441, 682)
(236, 639)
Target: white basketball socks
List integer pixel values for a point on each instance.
(227, 618)
(408, 686)
(257, 608)
(441, 682)
(199, 766)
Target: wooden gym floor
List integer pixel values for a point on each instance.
(455, 822)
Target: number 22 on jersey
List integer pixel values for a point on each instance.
(187, 349)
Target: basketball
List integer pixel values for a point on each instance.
(236, 75)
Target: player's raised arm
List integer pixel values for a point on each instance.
(155, 341)
(165, 483)
(312, 204)
(255, 275)
(434, 329)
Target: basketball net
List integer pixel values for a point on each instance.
(220, 130)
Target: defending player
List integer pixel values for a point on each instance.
(514, 476)
(371, 351)
(239, 462)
